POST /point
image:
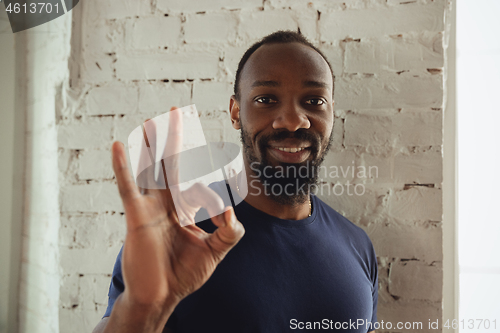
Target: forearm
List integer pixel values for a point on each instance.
(128, 317)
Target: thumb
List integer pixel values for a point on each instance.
(228, 233)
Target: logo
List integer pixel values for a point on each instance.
(177, 156)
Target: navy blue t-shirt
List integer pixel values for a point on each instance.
(319, 273)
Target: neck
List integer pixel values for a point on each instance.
(261, 198)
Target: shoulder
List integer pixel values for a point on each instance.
(349, 230)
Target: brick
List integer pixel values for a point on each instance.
(93, 231)
(381, 168)
(404, 129)
(375, 55)
(207, 5)
(69, 291)
(406, 2)
(255, 25)
(232, 56)
(335, 5)
(160, 66)
(78, 320)
(294, 4)
(153, 32)
(216, 27)
(94, 197)
(354, 207)
(208, 95)
(409, 312)
(103, 36)
(93, 290)
(339, 167)
(111, 9)
(380, 21)
(96, 69)
(87, 134)
(335, 56)
(389, 91)
(418, 168)
(214, 129)
(416, 280)
(406, 241)
(100, 289)
(66, 161)
(416, 204)
(159, 97)
(95, 164)
(230, 134)
(89, 261)
(110, 100)
(383, 280)
(307, 22)
(67, 235)
(125, 125)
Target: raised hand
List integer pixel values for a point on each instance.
(162, 261)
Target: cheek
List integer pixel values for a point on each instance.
(324, 125)
(255, 122)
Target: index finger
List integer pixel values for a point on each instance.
(173, 146)
(147, 157)
(126, 185)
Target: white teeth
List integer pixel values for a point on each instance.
(290, 150)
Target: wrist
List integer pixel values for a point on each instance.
(131, 316)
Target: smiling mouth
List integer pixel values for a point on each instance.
(290, 150)
(290, 154)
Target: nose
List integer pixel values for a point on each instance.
(292, 117)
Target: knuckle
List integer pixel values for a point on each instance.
(171, 215)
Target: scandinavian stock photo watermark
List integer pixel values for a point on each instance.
(326, 179)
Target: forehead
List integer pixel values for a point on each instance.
(285, 63)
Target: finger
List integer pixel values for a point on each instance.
(227, 235)
(126, 185)
(173, 146)
(197, 196)
(147, 157)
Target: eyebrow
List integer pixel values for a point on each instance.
(307, 84)
(315, 84)
(266, 84)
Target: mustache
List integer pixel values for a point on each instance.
(300, 134)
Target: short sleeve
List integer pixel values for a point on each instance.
(374, 279)
(116, 287)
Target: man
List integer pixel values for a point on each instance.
(300, 265)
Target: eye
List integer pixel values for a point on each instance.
(315, 101)
(265, 100)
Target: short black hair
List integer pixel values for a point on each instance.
(278, 37)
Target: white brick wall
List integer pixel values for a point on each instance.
(167, 32)
(381, 21)
(137, 59)
(222, 28)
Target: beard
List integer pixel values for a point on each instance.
(294, 180)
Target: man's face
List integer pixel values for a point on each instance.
(285, 111)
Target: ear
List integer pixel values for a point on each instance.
(234, 111)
